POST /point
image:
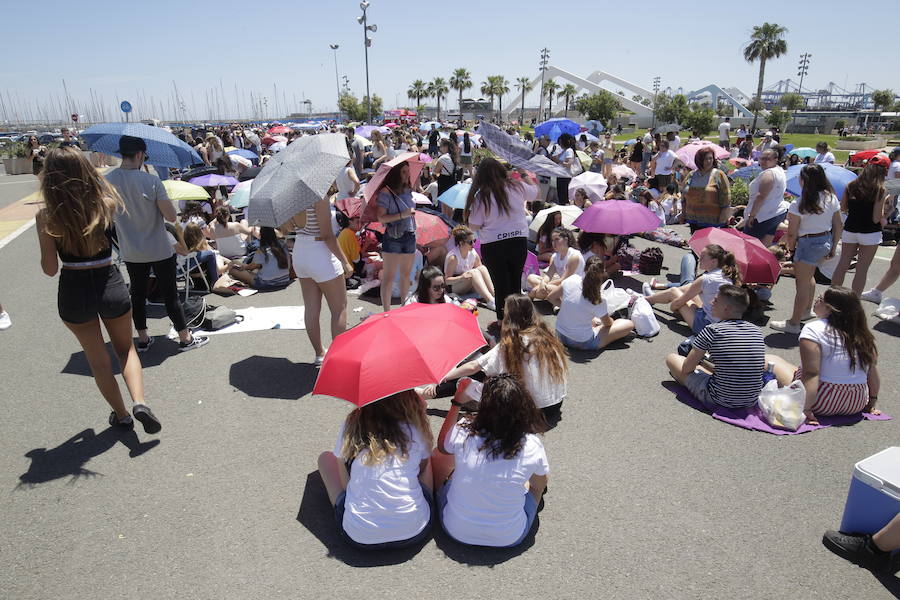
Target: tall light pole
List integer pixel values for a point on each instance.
(367, 41)
(545, 60)
(337, 83)
(655, 94)
(803, 68)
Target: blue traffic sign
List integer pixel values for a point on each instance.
(125, 106)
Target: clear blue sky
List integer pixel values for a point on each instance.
(121, 49)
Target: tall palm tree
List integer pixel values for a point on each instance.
(568, 92)
(766, 42)
(550, 88)
(501, 87)
(438, 88)
(523, 84)
(487, 89)
(418, 90)
(460, 80)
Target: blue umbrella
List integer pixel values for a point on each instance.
(839, 177)
(163, 148)
(251, 156)
(803, 152)
(630, 142)
(456, 196)
(748, 172)
(557, 127)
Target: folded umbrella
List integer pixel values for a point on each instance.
(214, 180)
(182, 190)
(429, 228)
(619, 217)
(687, 152)
(756, 263)
(397, 350)
(456, 196)
(163, 148)
(297, 178)
(518, 154)
(839, 177)
(569, 214)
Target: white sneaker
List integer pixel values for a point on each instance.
(873, 295)
(492, 305)
(5, 321)
(785, 326)
(647, 289)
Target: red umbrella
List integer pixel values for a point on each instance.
(279, 129)
(273, 139)
(858, 158)
(756, 263)
(619, 217)
(352, 207)
(415, 169)
(429, 228)
(398, 350)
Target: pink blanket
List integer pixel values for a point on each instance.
(751, 418)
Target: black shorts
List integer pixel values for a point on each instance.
(85, 294)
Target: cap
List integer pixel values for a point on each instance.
(768, 134)
(881, 160)
(131, 145)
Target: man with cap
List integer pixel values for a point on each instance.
(767, 143)
(144, 243)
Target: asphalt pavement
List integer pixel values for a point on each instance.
(649, 498)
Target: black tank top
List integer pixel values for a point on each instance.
(103, 254)
(859, 212)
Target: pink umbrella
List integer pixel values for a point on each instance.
(415, 169)
(425, 158)
(623, 172)
(619, 217)
(687, 152)
(278, 129)
(421, 198)
(391, 125)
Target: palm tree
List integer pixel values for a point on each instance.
(501, 88)
(568, 92)
(523, 84)
(550, 88)
(766, 42)
(418, 90)
(487, 89)
(460, 80)
(438, 88)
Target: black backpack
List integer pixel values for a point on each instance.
(194, 311)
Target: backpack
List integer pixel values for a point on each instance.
(651, 261)
(194, 311)
(217, 317)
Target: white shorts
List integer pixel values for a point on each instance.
(313, 260)
(863, 239)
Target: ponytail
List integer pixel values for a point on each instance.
(222, 215)
(725, 260)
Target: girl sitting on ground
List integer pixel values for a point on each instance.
(270, 265)
(603, 245)
(545, 236)
(692, 301)
(463, 270)
(583, 322)
(491, 470)
(196, 242)
(838, 359)
(431, 288)
(385, 500)
(581, 200)
(565, 262)
(528, 351)
(231, 238)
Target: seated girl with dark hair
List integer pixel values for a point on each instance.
(565, 262)
(431, 288)
(605, 246)
(270, 265)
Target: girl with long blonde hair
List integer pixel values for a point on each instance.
(378, 477)
(74, 228)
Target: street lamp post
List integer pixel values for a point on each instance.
(337, 83)
(367, 41)
(655, 94)
(545, 60)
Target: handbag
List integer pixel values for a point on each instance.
(783, 407)
(643, 317)
(628, 256)
(615, 298)
(218, 317)
(395, 229)
(650, 261)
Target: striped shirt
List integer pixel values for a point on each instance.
(312, 224)
(737, 350)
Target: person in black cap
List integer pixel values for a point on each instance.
(144, 243)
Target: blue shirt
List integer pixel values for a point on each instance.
(394, 204)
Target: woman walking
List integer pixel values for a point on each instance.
(74, 228)
(495, 210)
(814, 230)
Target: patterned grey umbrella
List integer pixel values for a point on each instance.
(518, 154)
(296, 178)
(670, 128)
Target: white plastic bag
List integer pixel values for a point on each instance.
(616, 298)
(888, 310)
(783, 407)
(645, 323)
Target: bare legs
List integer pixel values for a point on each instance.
(784, 371)
(805, 285)
(887, 281)
(619, 329)
(481, 281)
(394, 263)
(848, 251)
(335, 293)
(334, 475)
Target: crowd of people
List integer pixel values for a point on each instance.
(485, 474)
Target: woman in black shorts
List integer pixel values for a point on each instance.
(73, 228)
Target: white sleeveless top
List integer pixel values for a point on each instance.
(772, 201)
(462, 264)
(560, 263)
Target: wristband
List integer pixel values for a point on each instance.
(455, 403)
(873, 397)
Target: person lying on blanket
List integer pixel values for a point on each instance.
(736, 350)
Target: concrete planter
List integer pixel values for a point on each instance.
(17, 166)
(878, 142)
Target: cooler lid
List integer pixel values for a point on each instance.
(881, 471)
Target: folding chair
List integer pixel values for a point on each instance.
(183, 267)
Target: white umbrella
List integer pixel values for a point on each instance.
(623, 172)
(569, 214)
(277, 147)
(593, 183)
(240, 160)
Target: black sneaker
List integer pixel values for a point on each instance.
(196, 342)
(859, 549)
(124, 423)
(143, 414)
(144, 346)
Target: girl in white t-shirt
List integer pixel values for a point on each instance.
(565, 262)
(385, 500)
(498, 465)
(430, 289)
(839, 360)
(463, 269)
(693, 301)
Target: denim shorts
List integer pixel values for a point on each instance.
(85, 294)
(697, 384)
(811, 250)
(591, 344)
(531, 509)
(701, 320)
(764, 228)
(405, 244)
(416, 539)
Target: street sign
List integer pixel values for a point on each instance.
(125, 106)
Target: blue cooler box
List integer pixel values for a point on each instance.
(874, 496)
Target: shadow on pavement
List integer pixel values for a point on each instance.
(272, 377)
(482, 556)
(317, 515)
(69, 458)
(162, 349)
(891, 583)
(785, 341)
(887, 327)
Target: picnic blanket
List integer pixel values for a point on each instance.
(751, 418)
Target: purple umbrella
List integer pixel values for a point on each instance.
(214, 180)
(365, 130)
(619, 217)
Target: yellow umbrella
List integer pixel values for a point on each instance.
(585, 160)
(183, 190)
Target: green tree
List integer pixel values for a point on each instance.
(601, 106)
(550, 89)
(377, 105)
(792, 101)
(501, 88)
(461, 80)
(358, 110)
(418, 90)
(883, 99)
(766, 42)
(438, 89)
(777, 117)
(701, 119)
(568, 92)
(724, 109)
(523, 84)
(673, 110)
